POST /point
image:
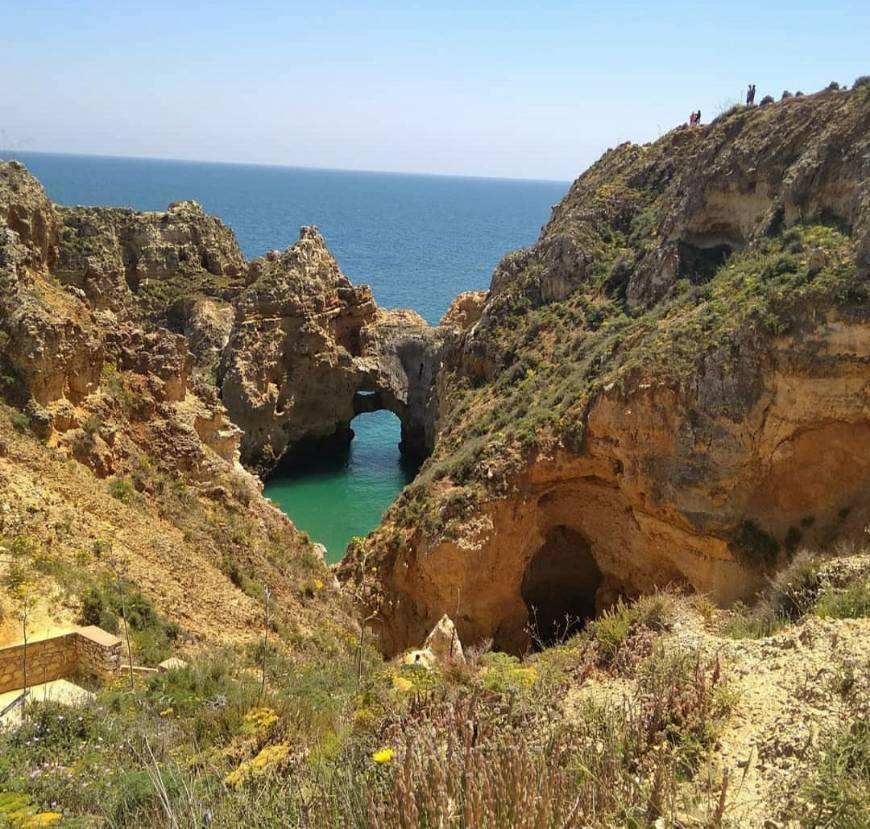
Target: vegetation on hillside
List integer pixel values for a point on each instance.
(620, 725)
(330, 736)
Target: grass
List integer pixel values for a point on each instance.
(487, 744)
(838, 789)
(796, 591)
(849, 602)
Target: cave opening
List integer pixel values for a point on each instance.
(559, 586)
(699, 263)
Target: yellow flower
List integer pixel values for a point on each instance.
(402, 684)
(383, 756)
(266, 762)
(258, 720)
(166, 712)
(41, 819)
(318, 584)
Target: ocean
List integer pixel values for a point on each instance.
(417, 240)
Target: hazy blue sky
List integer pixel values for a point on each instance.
(533, 90)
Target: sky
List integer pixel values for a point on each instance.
(509, 89)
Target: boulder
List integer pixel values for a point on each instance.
(443, 642)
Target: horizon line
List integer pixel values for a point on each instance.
(8, 154)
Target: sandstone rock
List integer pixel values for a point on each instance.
(688, 461)
(122, 258)
(308, 351)
(465, 310)
(27, 212)
(444, 642)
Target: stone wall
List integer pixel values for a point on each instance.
(87, 651)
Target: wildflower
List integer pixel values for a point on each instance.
(402, 684)
(383, 756)
(266, 762)
(258, 720)
(41, 819)
(318, 584)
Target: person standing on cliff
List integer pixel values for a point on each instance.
(750, 95)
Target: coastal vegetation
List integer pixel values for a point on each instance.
(617, 726)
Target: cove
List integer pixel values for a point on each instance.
(334, 493)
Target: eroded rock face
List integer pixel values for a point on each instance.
(294, 349)
(308, 351)
(122, 258)
(465, 310)
(26, 211)
(98, 383)
(672, 386)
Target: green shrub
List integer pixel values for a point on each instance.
(791, 594)
(123, 490)
(850, 602)
(20, 422)
(612, 629)
(792, 591)
(106, 603)
(506, 674)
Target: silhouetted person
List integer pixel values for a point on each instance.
(750, 95)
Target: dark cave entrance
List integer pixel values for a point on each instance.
(699, 263)
(559, 586)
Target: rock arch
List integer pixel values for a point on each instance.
(308, 351)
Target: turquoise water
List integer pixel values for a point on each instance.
(417, 240)
(336, 496)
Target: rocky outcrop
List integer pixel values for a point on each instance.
(443, 641)
(26, 212)
(308, 351)
(124, 259)
(672, 386)
(103, 384)
(90, 372)
(465, 310)
(295, 350)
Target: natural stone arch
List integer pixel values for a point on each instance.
(308, 351)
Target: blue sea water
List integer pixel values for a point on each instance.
(417, 240)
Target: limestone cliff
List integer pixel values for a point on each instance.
(145, 347)
(88, 373)
(293, 348)
(123, 259)
(672, 385)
